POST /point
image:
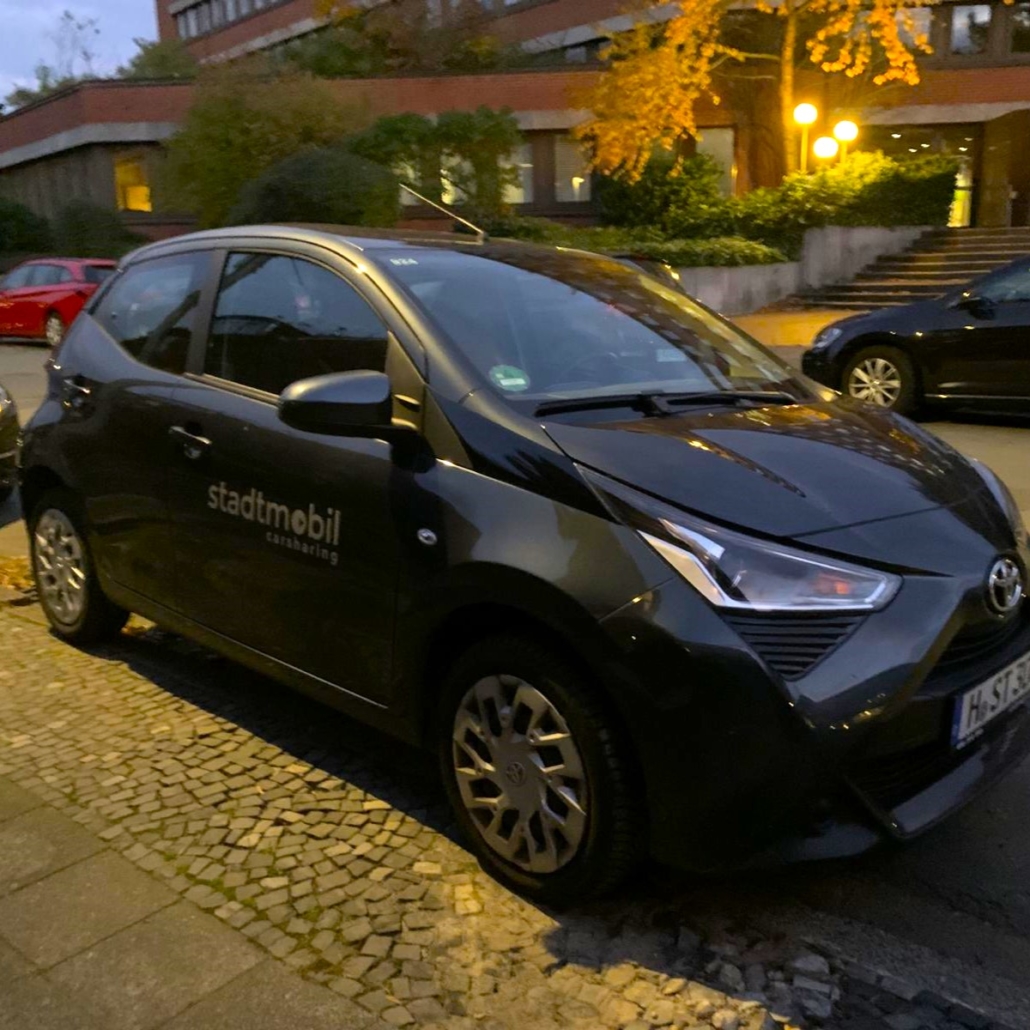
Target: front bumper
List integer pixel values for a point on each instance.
(748, 759)
(820, 366)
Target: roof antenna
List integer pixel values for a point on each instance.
(481, 236)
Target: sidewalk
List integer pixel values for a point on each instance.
(788, 328)
(88, 941)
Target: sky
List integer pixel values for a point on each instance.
(27, 28)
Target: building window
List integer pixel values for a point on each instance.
(970, 26)
(181, 27)
(191, 23)
(522, 161)
(571, 174)
(132, 184)
(914, 23)
(719, 144)
(1021, 29)
(217, 14)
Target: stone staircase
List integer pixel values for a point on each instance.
(939, 261)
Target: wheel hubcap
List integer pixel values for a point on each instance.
(54, 331)
(520, 774)
(875, 380)
(60, 568)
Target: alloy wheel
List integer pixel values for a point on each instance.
(520, 774)
(60, 566)
(54, 330)
(877, 381)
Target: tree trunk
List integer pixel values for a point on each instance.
(790, 39)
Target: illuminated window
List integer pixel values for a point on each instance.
(522, 192)
(571, 175)
(1021, 29)
(970, 25)
(132, 184)
(719, 145)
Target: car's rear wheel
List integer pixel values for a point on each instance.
(53, 329)
(537, 775)
(69, 591)
(884, 377)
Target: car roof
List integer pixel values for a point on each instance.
(105, 262)
(356, 239)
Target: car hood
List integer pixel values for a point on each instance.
(896, 319)
(781, 471)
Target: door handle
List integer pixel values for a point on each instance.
(194, 446)
(75, 394)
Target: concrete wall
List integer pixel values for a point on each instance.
(837, 253)
(830, 254)
(739, 291)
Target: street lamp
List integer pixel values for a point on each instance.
(825, 147)
(805, 115)
(846, 132)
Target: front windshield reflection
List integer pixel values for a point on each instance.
(549, 324)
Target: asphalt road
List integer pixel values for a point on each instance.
(951, 911)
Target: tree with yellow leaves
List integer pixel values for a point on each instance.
(659, 70)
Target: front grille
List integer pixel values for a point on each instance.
(793, 644)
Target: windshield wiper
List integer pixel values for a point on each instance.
(657, 402)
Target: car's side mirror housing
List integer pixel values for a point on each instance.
(974, 304)
(343, 404)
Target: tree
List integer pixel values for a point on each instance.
(321, 184)
(660, 70)
(243, 120)
(414, 35)
(73, 41)
(164, 59)
(477, 148)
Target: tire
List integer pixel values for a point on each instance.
(600, 841)
(60, 560)
(53, 329)
(884, 377)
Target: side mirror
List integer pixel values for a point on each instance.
(974, 304)
(344, 404)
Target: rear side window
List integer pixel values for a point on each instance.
(46, 275)
(96, 273)
(280, 319)
(16, 279)
(151, 309)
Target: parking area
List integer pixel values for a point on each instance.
(275, 864)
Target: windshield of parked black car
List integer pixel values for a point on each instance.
(541, 324)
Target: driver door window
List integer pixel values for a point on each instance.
(1012, 288)
(279, 319)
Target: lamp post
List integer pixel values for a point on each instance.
(825, 148)
(846, 132)
(805, 115)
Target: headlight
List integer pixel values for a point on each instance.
(1003, 495)
(732, 570)
(826, 337)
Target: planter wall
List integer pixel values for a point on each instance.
(830, 254)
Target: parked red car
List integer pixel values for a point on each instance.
(39, 299)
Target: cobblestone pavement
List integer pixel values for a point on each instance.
(330, 847)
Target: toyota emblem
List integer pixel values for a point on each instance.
(1004, 586)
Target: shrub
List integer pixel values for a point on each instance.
(683, 197)
(645, 242)
(22, 230)
(476, 146)
(407, 143)
(324, 184)
(84, 229)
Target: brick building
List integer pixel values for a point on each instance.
(100, 140)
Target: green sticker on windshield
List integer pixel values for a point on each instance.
(509, 378)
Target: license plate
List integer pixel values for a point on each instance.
(981, 705)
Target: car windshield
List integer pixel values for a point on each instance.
(541, 325)
(97, 273)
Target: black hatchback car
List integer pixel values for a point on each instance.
(968, 349)
(638, 583)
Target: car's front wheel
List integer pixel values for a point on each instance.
(539, 778)
(69, 591)
(53, 329)
(884, 377)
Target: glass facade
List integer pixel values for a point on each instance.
(571, 174)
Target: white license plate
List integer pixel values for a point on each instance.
(981, 705)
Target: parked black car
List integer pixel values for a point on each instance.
(969, 349)
(8, 443)
(639, 584)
